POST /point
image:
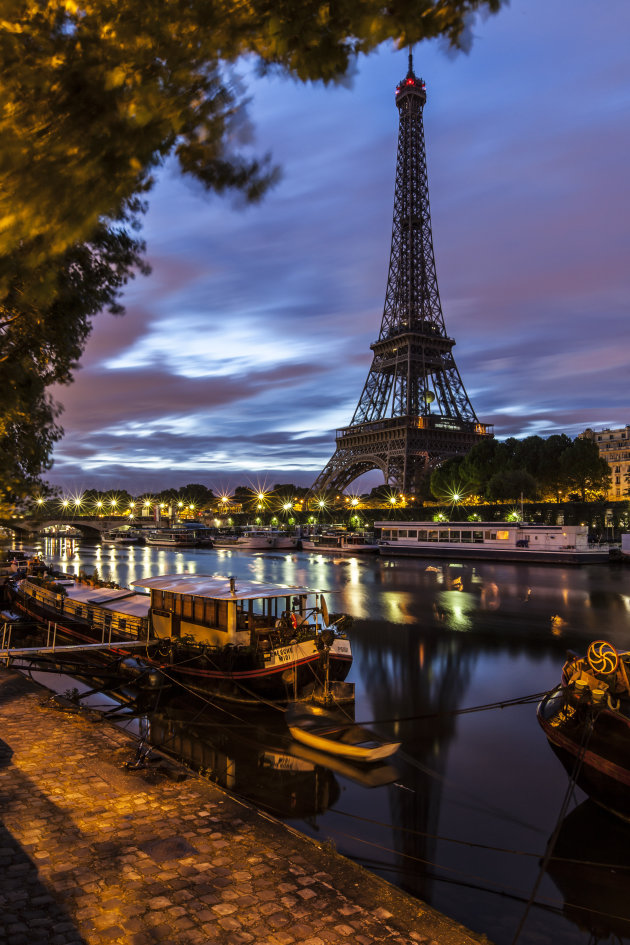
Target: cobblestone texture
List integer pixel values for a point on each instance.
(92, 852)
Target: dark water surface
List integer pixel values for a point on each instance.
(464, 818)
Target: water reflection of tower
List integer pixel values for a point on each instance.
(412, 673)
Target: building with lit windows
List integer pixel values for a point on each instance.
(614, 447)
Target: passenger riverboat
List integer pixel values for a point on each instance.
(124, 535)
(255, 538)
(241, 641)
(500, 541)
(587, 723)
(343, 543)
(180, 536)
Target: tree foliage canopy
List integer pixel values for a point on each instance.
(95, 95)
(551, 468)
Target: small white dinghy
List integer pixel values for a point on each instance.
(329, 731)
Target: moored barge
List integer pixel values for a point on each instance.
(494, 541)
(587, 723)
(240, 641)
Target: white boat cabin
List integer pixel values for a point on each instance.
(223, 611)
(493, 535)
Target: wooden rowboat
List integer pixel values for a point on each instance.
(331, 732)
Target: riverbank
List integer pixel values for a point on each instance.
(95, 852)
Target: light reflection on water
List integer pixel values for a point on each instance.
(431, 638)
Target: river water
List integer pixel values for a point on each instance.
(462, 817)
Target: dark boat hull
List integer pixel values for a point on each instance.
(593, 744)
(590, 867)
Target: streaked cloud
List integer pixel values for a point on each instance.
(249, 344)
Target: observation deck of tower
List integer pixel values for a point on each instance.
(414, 411)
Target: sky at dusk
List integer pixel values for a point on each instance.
(248, 345)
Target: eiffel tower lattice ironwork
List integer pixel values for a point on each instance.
(414, 411)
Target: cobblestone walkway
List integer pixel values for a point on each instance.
(93, 852)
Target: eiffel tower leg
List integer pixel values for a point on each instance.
(343, 468)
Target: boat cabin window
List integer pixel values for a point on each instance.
(402, 532)
(466, 536)
(412, 532)
(432, 534)
(455, 536)
(478, 536)
(259, 613)
(422, 534)
(213, 613)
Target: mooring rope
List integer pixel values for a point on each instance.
(485, 707)
(556, 831)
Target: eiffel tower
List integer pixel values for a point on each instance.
(414, 411)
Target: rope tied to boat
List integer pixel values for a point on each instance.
(586, 737)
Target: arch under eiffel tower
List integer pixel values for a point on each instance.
(414, 411)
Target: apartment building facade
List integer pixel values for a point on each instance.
(614, 447)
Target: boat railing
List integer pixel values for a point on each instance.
(100, 617)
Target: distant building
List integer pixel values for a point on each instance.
(614, 447)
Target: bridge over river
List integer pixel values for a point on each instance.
(89, 527)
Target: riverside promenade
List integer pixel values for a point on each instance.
(95, 852)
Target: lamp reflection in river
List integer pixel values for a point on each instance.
(490, 599)
(397, 607)
(455, 608)
(558, 624)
